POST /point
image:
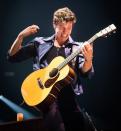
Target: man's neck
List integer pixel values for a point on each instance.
(59, 43)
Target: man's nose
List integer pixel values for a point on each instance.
(65, 29)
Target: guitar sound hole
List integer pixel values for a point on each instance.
(54, 72)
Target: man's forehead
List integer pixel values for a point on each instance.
(64, 23)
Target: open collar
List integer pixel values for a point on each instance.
(68, 43)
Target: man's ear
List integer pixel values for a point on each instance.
(54, 26)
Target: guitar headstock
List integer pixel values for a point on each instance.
(108, 30)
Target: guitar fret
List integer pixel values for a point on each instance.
(92, 39)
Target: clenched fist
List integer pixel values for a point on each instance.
(30, 30)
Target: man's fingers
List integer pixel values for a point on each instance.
(35, 27)
(87, 46)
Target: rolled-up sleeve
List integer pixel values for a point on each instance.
(24, 53)
(80, 61)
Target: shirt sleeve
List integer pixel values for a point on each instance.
(80, 62)
(24, 53)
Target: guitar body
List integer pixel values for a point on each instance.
(34, 89)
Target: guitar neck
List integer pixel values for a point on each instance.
(74, 54)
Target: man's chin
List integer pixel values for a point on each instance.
(65, 37)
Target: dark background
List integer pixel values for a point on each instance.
(101, 98)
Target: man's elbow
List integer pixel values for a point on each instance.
(10, 58)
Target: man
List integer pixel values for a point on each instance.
(65, 110)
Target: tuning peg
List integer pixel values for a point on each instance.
(114, 31)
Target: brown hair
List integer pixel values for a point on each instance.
(63, 15)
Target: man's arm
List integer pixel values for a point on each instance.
(16, 46)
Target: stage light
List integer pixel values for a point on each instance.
(1, 96)
(16, 108)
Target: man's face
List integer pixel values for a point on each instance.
(63, 30)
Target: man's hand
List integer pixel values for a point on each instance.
(87, 51)
(30, 30)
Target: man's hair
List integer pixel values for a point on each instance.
(63, 15)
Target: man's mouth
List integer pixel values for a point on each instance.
(65, 35)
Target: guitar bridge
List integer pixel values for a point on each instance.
(40, 83)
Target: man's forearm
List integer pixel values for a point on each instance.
(86, 66)
(16, 45)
